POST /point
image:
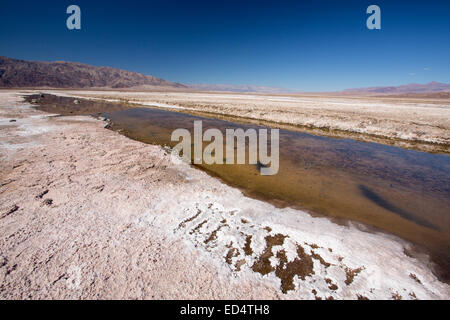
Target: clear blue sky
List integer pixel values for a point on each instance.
(304, 45)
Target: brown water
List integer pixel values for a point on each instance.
(403, 192)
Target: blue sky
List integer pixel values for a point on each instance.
(303, 45)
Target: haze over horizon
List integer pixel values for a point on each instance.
(315, 46)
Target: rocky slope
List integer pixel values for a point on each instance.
(19, 73)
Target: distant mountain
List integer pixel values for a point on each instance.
(238, 88)
(60, 74)
(431, 87)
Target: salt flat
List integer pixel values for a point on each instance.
(88, 213)
(408, 122)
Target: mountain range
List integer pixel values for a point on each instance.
(430, 87)
(61, 74)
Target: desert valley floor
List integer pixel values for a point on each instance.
(86, 212)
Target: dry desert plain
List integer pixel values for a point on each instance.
(87, 213)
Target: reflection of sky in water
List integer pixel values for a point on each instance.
(424, 171)
(403, 192)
